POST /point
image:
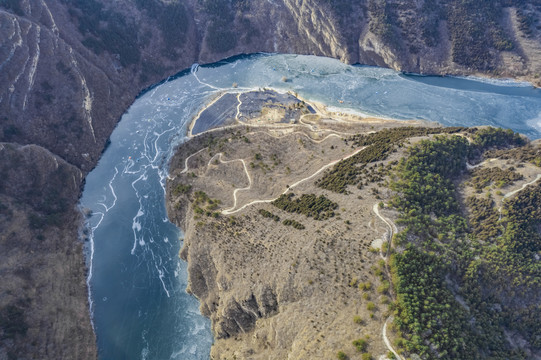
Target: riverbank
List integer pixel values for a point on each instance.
(275, 109)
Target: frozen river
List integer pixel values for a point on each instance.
(137, 282)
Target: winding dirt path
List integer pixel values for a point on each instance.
(220, 155)
(392, 230)
(188, 158)
(324, 167)
(387, 342)
(298, 132)
(237, 115)
(392, 227)
(232, 210)
(511, 193)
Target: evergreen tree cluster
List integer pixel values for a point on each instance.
(459, 286)
(310, 205)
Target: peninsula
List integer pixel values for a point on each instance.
(307, 238)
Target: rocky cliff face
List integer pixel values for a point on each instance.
(70, 68)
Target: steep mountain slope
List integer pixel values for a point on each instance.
(43, 306)
(70, 68)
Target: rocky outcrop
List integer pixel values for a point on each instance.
(232, 313)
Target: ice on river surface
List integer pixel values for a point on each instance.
(138, 299)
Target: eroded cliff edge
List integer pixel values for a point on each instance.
(288, 231)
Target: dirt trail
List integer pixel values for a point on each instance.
(232, 211)
(392, 230)
(511, 193)
(386, 340)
